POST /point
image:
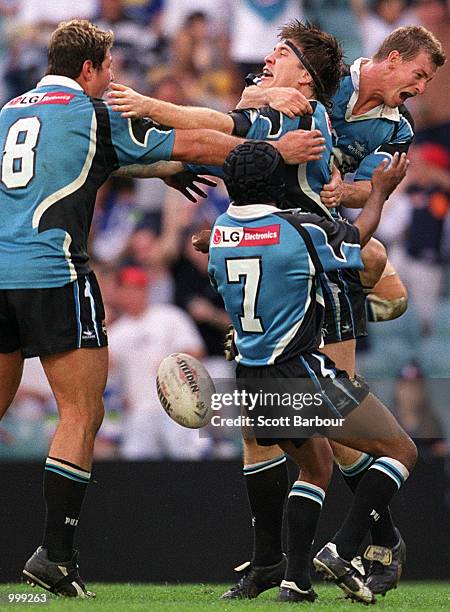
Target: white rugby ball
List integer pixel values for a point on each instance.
(184, 389)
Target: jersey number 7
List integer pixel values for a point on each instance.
(249, 271)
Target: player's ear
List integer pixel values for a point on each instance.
(87, 70)
(394, 58)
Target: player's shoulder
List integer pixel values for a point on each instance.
(406, 118)
(298, 218)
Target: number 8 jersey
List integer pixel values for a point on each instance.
(58, 146)
(265, 264)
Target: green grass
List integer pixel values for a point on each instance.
(425, 596)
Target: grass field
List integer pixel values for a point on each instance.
(412, 597)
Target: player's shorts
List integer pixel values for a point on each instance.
(296, 399)
(345, 315)
(43, 322)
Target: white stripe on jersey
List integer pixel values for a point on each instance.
(66, 246)
(306, 187)
(282, 344)
(74, 185)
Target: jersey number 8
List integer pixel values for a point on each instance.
(19, 152)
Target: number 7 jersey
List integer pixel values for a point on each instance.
(58, 146)
(265, 263)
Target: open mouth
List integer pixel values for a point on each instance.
(266, 74)
(404, 95)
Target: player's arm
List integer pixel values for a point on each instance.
(384, 180)
(211, 147)
(288, 100)
(355, 194)
(132, 105)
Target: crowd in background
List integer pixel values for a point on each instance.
(155, 285)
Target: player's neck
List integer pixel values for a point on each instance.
(370, 95)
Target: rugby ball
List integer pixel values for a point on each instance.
(184, 389)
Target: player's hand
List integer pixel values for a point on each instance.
(128, 102)
(184, 182)
(386, 178)
(332, 192)
(289, 101)
(301, 146)
(200, 241)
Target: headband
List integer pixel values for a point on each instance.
(306, 64)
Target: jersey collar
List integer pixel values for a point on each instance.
(379, 112)
(62, 81)
(251, 211)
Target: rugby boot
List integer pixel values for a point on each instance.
(60, 578)
(256, 580)
(290, 593)
(386, 566)
(343, 573)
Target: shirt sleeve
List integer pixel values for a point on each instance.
(399, 142)
(333, 244)
(140, 140)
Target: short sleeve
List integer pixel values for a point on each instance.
(140, 140)
(333, 244)
(399, 143)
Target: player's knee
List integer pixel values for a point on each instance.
(403, 450)
(89, 418)
(374, 257)
(320, 471)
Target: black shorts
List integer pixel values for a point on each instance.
(42, 322)
(297, 398)
(345, 306)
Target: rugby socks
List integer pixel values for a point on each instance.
(64, 489)
(372, 496)
(267, 487)
(383, 531)
(303, 510)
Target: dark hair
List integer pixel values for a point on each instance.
(409, 41)
(74, 42)
(322, 51)
(254, 173)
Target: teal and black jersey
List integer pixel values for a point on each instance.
(304, 181)
(363, 141)
(59, 145)
(265, 263)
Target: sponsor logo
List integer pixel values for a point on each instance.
(88, 334)
(71, 521)
(54, 97)
(245, 236)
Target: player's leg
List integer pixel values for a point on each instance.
(305, 500)
(374, 258)
(353, 464)
(372, 429)
(389, 298)
(266, 481)
(65, 327)
(11, 368)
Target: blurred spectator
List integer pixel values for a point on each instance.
(421, 261)
(338, 18)
(377, 19)
(202, 63)
(415, 414)
(431, 110)
(136, 46)
(138, 341)
(49, 13)
(176, 11)
(115, 219)
(254, 26)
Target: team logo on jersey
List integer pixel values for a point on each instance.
(50, 97)
(245, 236)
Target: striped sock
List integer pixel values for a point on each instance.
(267, 485)
(303, 510)
(372, 496)
(382, 532)
(64, 489)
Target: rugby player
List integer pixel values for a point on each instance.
(380, 130)
(272, 294)
(60, 142)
